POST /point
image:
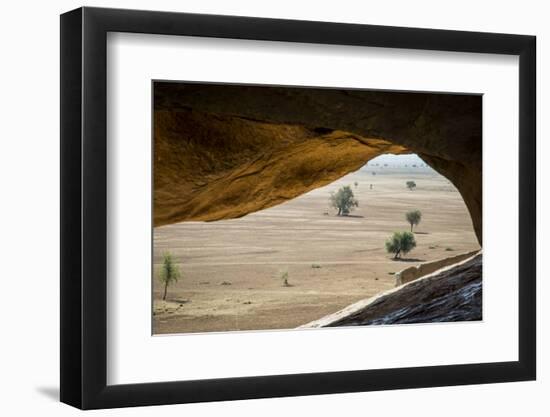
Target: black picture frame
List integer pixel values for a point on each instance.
(84, 207)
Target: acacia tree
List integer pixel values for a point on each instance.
(344, 200)
(400, 243)
(169, 272)
(411, 185)
(413, 217)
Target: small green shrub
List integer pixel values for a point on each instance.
(284, 278)
(413, 217)
(169, 273)
(400, 243)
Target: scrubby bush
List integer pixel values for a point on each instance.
(284, 278)
(400, 243)
(169, 272)
(413, 217)
(344, 200)
(411, 185)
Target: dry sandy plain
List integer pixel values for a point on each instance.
(231, 269)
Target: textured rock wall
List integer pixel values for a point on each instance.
(215, 167)
(414, 272)
(449, 294)
(223, 151)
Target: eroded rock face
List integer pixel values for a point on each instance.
(216, 167)
(451, 294)
(224, 151)
(416, 271)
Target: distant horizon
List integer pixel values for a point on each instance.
(394, 160)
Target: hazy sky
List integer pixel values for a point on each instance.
(399, 160)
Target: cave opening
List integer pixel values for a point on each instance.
(298, 261)
(235, 167)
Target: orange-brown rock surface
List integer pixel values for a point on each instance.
(223, 151)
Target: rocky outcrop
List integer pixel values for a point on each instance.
(223, 151)
(217, 167)
(450, 294)
(414, 272)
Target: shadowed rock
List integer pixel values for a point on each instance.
(450, 294)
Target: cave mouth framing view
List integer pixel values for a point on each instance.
(292, 207)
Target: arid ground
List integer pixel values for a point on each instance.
(232, 269)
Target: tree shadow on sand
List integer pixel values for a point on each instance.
(408, 260)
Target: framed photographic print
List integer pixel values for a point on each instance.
(257, 208)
